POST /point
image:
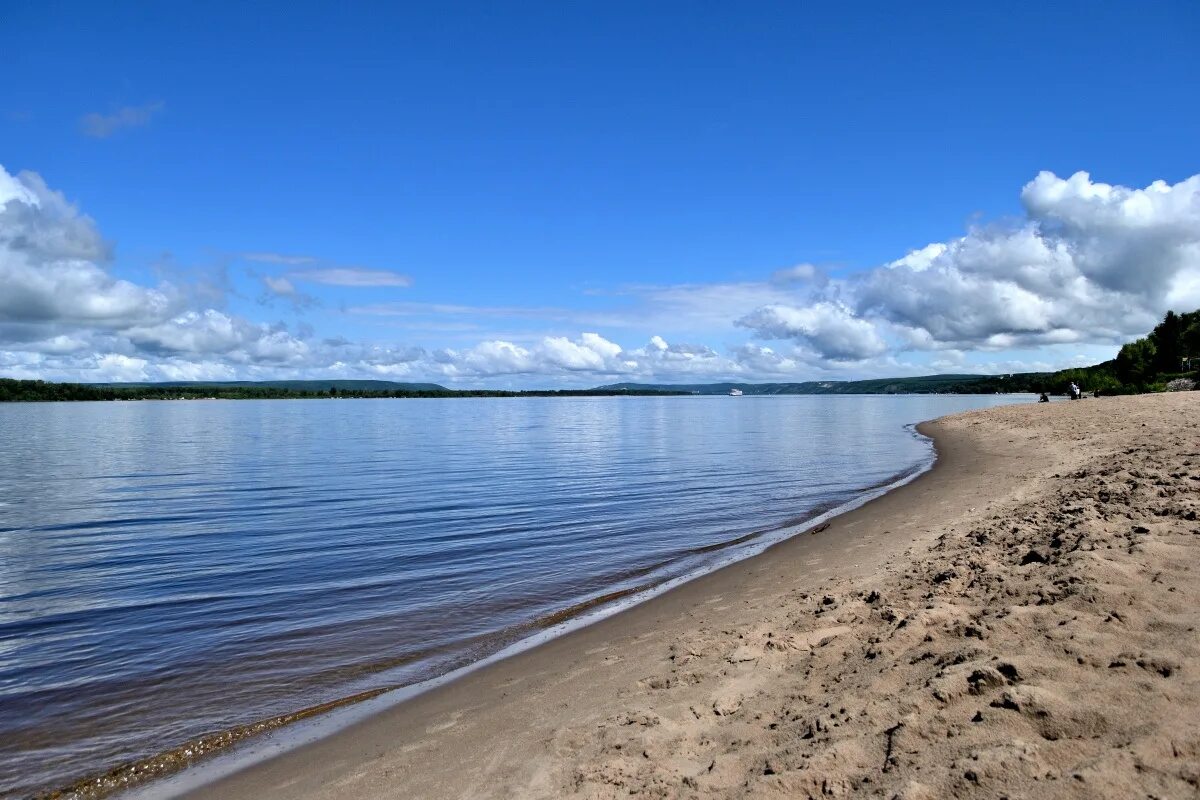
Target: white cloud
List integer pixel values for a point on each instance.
(598, 344)
(50, 264)
(590, 354)
(116, 367)
(829, 328)
(101, 126)
(352, 276)
(800, 273)
(213, 333)
(919, 260)
(279, 258)
(320, 272)
(280, 286)
(1090, 265)
(763, 360)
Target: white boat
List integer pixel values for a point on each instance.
(735, 392)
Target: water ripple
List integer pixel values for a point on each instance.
(171, 569)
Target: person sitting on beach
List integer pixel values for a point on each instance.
(1044, 398)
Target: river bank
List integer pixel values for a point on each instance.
(1021, 620)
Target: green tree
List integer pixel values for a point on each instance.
(1135, 362)
(1167, 338)
(1189, 340)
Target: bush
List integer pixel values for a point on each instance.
(1101, 383)
(1181, 385)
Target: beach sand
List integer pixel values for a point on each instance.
(1022, 621)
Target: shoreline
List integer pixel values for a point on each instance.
(585, 713)
(209, 778)
(210, 758)
(930, 643)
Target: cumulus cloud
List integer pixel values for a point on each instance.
(592, 355)
(216, 334)
(51, 264)
(64, 316)
(830, 328)
(1088, 266)
(1090, 262)
(101, 126)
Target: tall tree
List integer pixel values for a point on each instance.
(1190, 339)
(1167, 337)
(1135, 362)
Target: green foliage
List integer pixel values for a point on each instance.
(1136, 362)
(1102, 382)
(1168, 345)
(1172, 350)
(1191, 339)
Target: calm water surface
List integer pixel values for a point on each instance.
(169, 569)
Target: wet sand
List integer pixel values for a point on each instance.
(1020, 621)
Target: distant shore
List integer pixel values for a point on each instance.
(1021, 620)
(14, 391)
(30, 391)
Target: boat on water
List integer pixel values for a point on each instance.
(735, 392)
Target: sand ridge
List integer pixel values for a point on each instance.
(1020, 623)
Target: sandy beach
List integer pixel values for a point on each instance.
(1019, 622)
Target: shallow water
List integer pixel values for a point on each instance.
(170, 569)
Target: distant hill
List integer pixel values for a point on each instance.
(1110, 377)
(22, 391)
(295, 386)
(927, 384)
(1168, 358)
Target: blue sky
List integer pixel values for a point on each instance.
(497, 180)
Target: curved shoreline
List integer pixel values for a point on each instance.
(932, 645)
(294, 740)
(213, 757)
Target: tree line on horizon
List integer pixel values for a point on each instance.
(1170, 352)
(35, 391)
